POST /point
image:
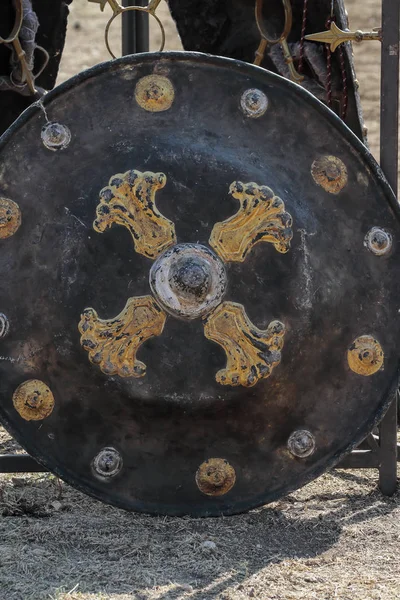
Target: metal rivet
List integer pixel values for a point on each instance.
(378, 241)
(254, 103)
(330, 173)
(33, 400)
(365, 356)
(108, 462)
(55, 136)
(4, 325)
(10, 217)
(154, 93)
(215, 477)
(301, 443)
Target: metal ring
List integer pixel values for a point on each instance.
(126, 9)
(287, 7)
(19, 16)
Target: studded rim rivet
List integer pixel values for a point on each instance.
(55, 136)
(365, 356)
(33, 400)
(154, 93)
(301, 443)
(254, 103)
(4, 325)
(10, 217)
(378, 241)
(330, 173)
(215, 477)
(107, 463)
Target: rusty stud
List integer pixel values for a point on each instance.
(301, 443)
(215, 477)
(330, 173)
(253, 103)
(378, 241)
(365, 356)
(4, 325)
(55, 136)
(154, 93)
(107, 463)
(10, 218)
(33, 400)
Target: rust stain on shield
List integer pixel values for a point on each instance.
(112, 344)
(365, 356)
(330, 173)
(10, 217)
(260, 218)
(215, 477)
(129, 200)
(154, 93)
(33, 400)
(251, 352)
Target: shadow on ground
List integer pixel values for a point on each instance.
(55, 538)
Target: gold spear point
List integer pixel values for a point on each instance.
(335, 36)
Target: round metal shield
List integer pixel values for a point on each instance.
(200, 284)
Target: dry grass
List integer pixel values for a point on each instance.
(335, 538)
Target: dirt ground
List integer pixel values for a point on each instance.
(338, 537)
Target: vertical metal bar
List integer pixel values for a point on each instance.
(389, 129)
(135, 29)
(129, 29)
(142, 29)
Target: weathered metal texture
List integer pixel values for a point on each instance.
(162, 442)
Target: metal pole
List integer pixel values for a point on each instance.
(389, 130)
(135, 29)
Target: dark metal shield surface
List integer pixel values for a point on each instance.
(306, 299)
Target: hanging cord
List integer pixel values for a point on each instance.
(342, 63)
(303, 35)
(345, 102)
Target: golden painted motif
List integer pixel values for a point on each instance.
(365, 356)
(33, 400)
(112, 344)
(251, 353)
(215, 477)
(330, 173)
(260, 218)
(187, 280)
(10, 218)
(154, 93)
(129, 200)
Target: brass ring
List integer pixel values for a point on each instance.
(19, 15)
(126, 9)
(287, 7)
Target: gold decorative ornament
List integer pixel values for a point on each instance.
(154, 93)
(10, 218)
(188, 280)
(330, 173)
(365, 356)
(33, 400)
(129, 200)
(260, 218)
(112, 344)
(251, 353)
(215, 477)
(335, 36)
